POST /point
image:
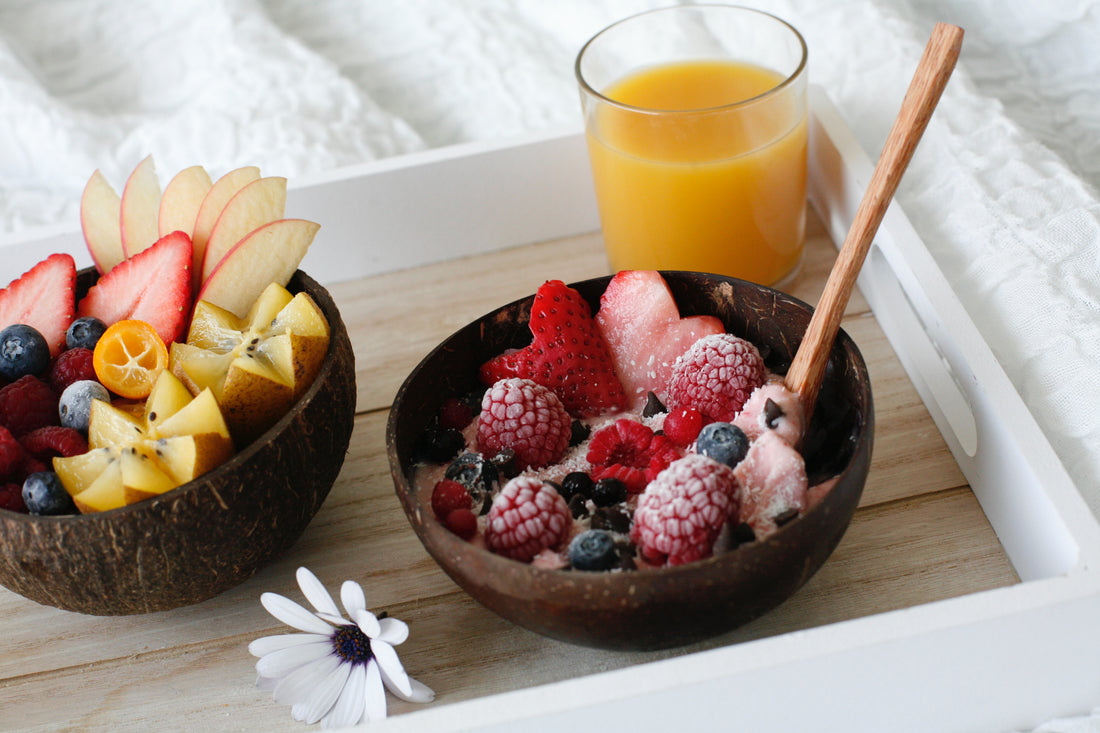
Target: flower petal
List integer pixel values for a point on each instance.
(375, 704)
(393, 674)
(420, 692)
(265, 683)
(291, 614)
(351, 595)
(314, 591)
(367, 622)
(349, 707)
(324, 696)
(284, 661)
(334, 620)
(299, 684)
(267, 644)
(393, 631)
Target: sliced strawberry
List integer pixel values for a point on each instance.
(152, 286)
(567, 354)
(43, 297)
(641, 323)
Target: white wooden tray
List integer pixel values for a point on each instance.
(995, 660)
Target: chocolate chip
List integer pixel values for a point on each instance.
(772, 413)
(578, 432)
(653, 406)
(613, 519)
(505, 462)
(785, 516)
(578, 506)
(743, 533)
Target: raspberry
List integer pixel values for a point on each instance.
(682, 426)
(631, 452)
(54, 440)
(462, 522)
(26, 404)
(526, 417)
(11, 454)
(70, 366)
(455, 414)
(11, 498)
(715, 376)
(527, 517)
(449, 495)
(682, 511)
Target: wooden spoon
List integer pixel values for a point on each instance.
(935, 67)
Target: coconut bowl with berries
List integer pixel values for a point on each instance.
(641, 532)
(202, 364)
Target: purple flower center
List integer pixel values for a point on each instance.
(351, 644)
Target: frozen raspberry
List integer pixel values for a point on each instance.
(527, 517)
(54, 440)
(449, 495)
(462, 522)
(631, 452)
(681, 512)
(526, 417)
(11, 454)
(70, 366)
(26, 404)
(11, 498)
(682, 426)
(715, 376)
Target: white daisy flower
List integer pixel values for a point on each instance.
(336, 671)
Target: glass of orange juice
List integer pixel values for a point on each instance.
(696, 124)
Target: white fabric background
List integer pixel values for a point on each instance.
(1003, 189)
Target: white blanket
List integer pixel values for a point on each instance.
(1003, 188)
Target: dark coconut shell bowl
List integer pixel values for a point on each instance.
(651, 608)
(204, 537)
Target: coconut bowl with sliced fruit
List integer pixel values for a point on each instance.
(637, 604)
(216, 464)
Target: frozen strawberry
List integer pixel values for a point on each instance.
(43, 298)
(566, 354)
(152, 286)
(527, 517)
(526, 417)
(715, 376)
(631, 452)
(641, 323)
(681, 513)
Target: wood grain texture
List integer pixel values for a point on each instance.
(919, 536)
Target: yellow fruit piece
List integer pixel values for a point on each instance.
(256, 366)
(136, 455)
(128, 358)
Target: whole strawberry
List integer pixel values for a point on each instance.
(527, 517)
(526, 417)
(567, 353)
(715, 376)
(682, 511)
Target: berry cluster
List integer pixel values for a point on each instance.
(44, 411)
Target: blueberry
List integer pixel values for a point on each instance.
(608, 491)
(23, 351)
(723, 442)
(593, 549)
(577, 483)
(84, 333)
(44, 494)
(478, 475)
(443, 444)
(75, 406)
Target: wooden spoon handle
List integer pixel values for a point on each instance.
(935, 67)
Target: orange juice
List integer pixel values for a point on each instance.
(695, 170)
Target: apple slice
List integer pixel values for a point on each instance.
(139, 208)
(215, 200)
(99, 220)
(260, 202)
(180, 202)
(269, 254)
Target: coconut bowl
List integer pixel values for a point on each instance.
(206, 536)
(650, 608)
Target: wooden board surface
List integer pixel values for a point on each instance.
(919, 536)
